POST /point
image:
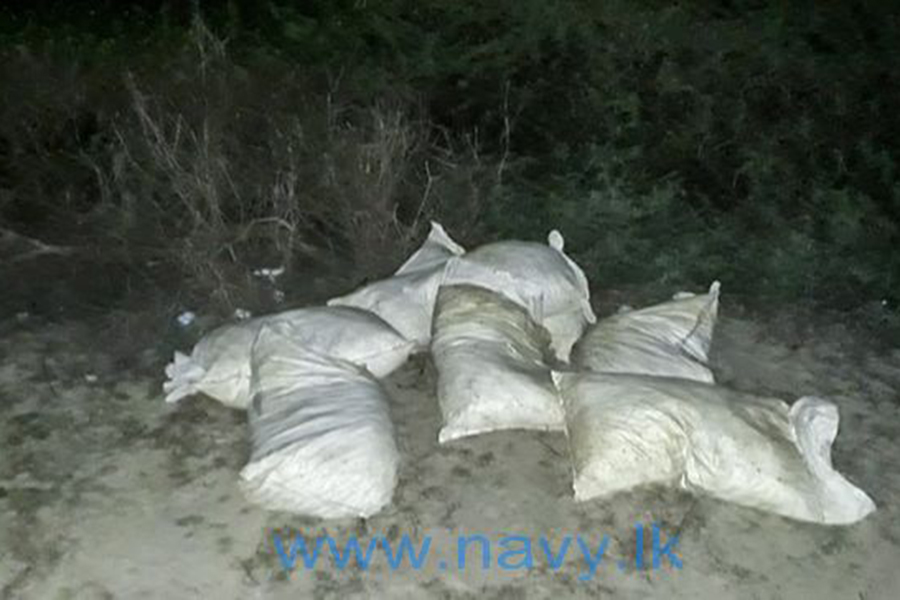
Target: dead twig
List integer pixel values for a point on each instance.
(22, 248)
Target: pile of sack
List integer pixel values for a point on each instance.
(516, 346)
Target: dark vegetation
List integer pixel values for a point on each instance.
(672, 143)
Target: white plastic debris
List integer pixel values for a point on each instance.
(186, 318)
(269, 274)
(630, 430)
(406, 300)
(323, 441)
(242, 314)
(538, 277)
(219, 365)
(491, 362)
(671, 339)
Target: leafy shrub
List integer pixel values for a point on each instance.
(671, 144)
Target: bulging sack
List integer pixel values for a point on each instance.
(219, 365)
(539, 277)
(323, 440)
(671, 339)
(491, 360)
(630, 430)
(406, 299)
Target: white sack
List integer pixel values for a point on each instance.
(219, 365)
(671, 339)
(631, 430)
(406, 300)
(539, 277)
(323, 441)
(491, 362)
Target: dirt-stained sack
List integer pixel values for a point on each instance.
(491, 358)
(631, 430)
(219, 364)
(671, 339)
(322, 436)
(539, 277)
(406, 299)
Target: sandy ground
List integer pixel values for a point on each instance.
(106, 492)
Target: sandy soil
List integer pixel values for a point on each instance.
(106, 492)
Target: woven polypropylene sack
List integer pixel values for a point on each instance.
(491, 360)
(406, 299)
(671, 339)
(219, 365)
(539, 277)
(631, 430)
(323, 441)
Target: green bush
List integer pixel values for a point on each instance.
(670, 144)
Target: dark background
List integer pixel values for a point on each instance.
(175, 146)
